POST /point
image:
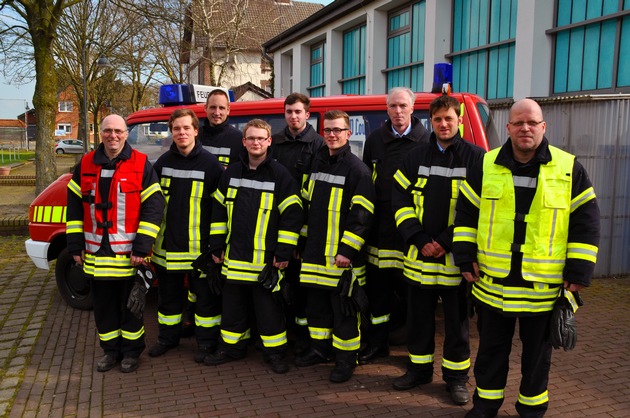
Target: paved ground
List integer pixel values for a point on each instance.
(48, 353)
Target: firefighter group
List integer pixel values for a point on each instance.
(292, 238)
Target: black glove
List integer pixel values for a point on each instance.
(352, 297)
(563, 326)
(269, 278)
(206, 265)
(145, 276)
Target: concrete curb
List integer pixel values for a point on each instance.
(14, 225)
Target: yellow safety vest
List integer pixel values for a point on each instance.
(545, 247)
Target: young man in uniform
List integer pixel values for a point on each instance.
(340, 197)
(114, 213)
(219, 137)
(256, 221)
(425, 191)
(188, 177)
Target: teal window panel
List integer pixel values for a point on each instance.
(562, 62)
(399, 21)
(483, 22)
(473, 34)
(495, 21)
(317, 92)
(626, 4)
(578, 11)
(463, 80)
(502, 71)
(482, 60)
(594, 9)
(576, 53)
(612, 6)
(513, 9)
(591, 57)
(417, 31)
(510, 72)
(472, 73)
(417, 77)
(623, 69)
(493, 70)
(607, 55)
(564, 12)
(465, 41)
(457, 26)
(505, 23)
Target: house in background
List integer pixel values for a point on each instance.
(234, 41)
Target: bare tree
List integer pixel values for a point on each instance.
(28, 29)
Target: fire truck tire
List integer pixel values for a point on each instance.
(72, 283)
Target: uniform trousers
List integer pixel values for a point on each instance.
(238, 299)
(120, 332)
(493, 360)
(171, 300)
(207, 312)
(296, 312)
(329, 328)
(422, 305)
(383, 287)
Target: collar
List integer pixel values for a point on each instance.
(101, 158)
(505, 157)
(405, 133)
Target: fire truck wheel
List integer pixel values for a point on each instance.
(72, 283)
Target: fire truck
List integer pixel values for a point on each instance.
(148, 133)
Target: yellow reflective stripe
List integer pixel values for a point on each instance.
(218, 228)
(74, 227)
(207, 321)
(118, 266)
(347, 345)
(470, 194)
(375, 320)
(58, 214)
(146, 193)
(353, 240)
(147, 228)
(534, 400)
(374, 172)
(515, 299)
(430, 273)
(74, 188)
(108, 336)
(169, 319)
(234, 337)
(456, 365)
(421, 359)
(192, 297)
(491, 394)
(291, 200)
(194, 217)
(219, 197)
(465, 234)
(239, 270)
(132, 335)
(288, 237)
(582, 251)
(402, 180)
(334, 219)
(320, 333)
(363, 201)
(262, 224)
(384, 258)
(403, 214)
(586, 196)
(274, 340)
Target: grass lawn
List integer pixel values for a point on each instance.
(8, 157)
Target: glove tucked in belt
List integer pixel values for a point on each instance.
(563, 326)
(206, 265)
(351, 295)
(145, 276)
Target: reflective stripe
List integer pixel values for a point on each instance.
(241, 271)
(490, 394)
(436, 170)
(334, 220)
(430, 273)
(118, 266)
(207, 322)
(403, 214)
(127, 335)
(376, 320)
(274, 340)
(582, 251)
(526, 182)
(320, 333)
(288, 237)
(74, 227)
(262, 225)
(586, 196)
(192, 297)
(464, 234)
(363, 201)
(301, 321)
(252, 184)
(149, 191)
(384, 258)
(234, 337)
(183, 174)
(347, 345)
(50, 214)
(456, 365)
(421, 359)
(400, 178)
(74, 188)
(537, 400)
(470, 194)
(329, 178)
(169, 320)
(352, 240)
(540, 298)
(108, 336)
(291, 200)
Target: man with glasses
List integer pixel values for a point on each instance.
(295, 148)
(114, 213)
(256, 221)
(340, 197)
(527, 225)
(384, 151)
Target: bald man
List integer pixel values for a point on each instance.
(114, 213)
(527, 225)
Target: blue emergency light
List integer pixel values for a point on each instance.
(442, 74)
(183, 94)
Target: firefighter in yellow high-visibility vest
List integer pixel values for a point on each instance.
(527, 225)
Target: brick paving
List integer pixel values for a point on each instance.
(48, 353)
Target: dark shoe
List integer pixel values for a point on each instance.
(129, 364)
(342, 372)
(217, 358)
(202, 352)
(301, 346)
(373, 352)
(311, 358)
(160, 349)
(475, 413)
(410, 380)
(107, 362)
(459, 393)
(278, 364)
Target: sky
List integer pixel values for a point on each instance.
(12, 96)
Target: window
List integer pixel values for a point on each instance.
(65, 127)
(353, 81)
(405, 47)
(318, 75)
(591, 46)
(484, 34)
(65, 106)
